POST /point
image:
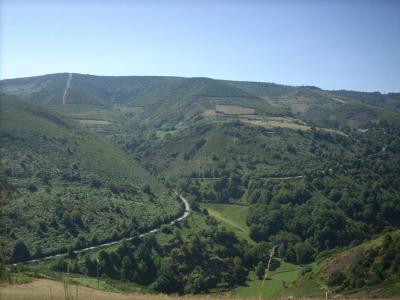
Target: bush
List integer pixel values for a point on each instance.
(336, 278)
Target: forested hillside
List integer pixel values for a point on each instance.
(64, 186)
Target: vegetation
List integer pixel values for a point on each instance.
(65, 186)
(371, 267)
(309, 171)
(186, 261)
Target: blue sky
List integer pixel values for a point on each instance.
(330, 44)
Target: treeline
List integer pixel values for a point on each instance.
(212, 258)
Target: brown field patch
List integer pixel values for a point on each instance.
(286, 123)
(234, 110)
(299, 107)
(94, 122)
(49, 289)
(343, 261)
(276, 122)
(209, 112)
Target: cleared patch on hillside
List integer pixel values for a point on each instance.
(277, 122)
(234, 110)
(94, 122)
(209, 112)
(300, 107)
(281, 122)
(344, 260)
(232, 216)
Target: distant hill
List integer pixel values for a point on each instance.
(164, 99)
(65, 186)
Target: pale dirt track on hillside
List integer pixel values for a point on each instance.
(94, 122)
(43, 289)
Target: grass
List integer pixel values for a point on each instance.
(162, 133)
(276, 283)
(232, 216)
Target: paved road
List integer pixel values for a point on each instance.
(186, 213)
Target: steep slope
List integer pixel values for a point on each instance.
(370, 269)
(64, 186)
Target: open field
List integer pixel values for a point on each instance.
(234, 110)
(278, 281)
(49, 289)
(232, 216)
(285, 123)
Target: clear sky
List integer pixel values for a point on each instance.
(330, 44)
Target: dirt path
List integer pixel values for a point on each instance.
(282, 178)
(64, 98)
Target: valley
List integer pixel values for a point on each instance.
(99, 174)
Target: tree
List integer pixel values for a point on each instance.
(147, 189)
(260, 270)
(196, 282)
(127, 268)
(239, 272)
(20, 252)
(304, 252)
(166, 281)
(70, 252)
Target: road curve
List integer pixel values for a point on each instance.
(185, 214)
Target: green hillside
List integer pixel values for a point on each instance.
(65, 186)
(315, 171)
(371, 268)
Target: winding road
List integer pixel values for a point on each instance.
(185, 214)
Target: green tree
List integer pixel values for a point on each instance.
(167, 281)
(127, 268)
(260, 270)
(20, 252)
(196, 282)
(239, 272)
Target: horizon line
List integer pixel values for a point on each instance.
(221, 79)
